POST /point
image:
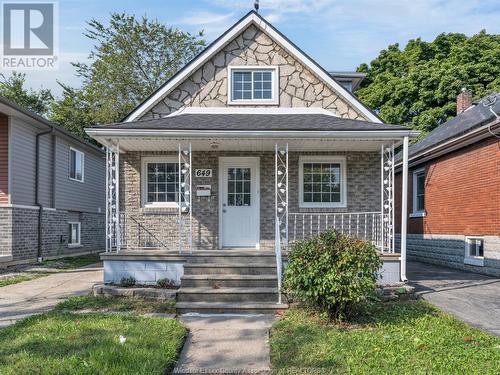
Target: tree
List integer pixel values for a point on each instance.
(13, 89)
(130, 59)
(417, 86)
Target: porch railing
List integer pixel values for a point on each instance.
(363, 225)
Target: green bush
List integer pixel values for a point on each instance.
(127, 281)
(166, 283)
(332, 271)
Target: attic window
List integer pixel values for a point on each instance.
(251, 85)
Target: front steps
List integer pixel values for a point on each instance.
(229, 281)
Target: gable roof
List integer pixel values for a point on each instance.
(250, 18)
(473, 118)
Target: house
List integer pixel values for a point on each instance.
(454, 190)
(248, 148)
(51, 189)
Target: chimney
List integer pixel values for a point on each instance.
(464, 100)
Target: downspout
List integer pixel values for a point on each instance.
(37, 195)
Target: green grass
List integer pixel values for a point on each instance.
(71, 262)
(65, 343)
(390, 338)
(20, 278)
(121, 304)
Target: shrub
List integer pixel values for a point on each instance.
(332, 272)
(127, 281)
(166, 283)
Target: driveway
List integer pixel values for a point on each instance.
(471, 297)
(21, 300)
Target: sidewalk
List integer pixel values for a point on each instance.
(21, 300)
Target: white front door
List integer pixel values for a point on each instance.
(239, 201)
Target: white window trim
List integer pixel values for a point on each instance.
(470, 259)
(275, 84)
(417, 213)
(343, 186)
(83, 165)
(144, 181)
(79, 226)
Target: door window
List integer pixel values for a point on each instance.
(238, 187)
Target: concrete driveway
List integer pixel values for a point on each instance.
(21, 300)
(471, 297)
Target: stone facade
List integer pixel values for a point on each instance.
(19, 238)
(363, 194)
(449, 250)
(298, 85)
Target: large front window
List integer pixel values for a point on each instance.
(322, 182)
(161, 181)
(253, 85)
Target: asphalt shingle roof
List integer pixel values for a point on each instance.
(257, 122)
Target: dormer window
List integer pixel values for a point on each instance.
(253, 85)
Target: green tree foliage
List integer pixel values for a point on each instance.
(130, 59)
(417, 86)
(12, 88)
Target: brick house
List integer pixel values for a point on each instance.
(248, 148)
(454, 190)
(51, 189)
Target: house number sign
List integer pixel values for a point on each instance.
(203, 173)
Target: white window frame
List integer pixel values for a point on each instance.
(144, 181)
(253, 68)
(471, 259)
(83, 164)
(343, 183)
(415, 212)
(79, 226)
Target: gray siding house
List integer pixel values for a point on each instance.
(250, 147)
(51, 189)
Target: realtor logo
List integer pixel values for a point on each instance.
(29, 31)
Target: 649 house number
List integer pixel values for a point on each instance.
(203, 173)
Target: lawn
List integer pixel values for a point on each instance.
(391, 338)
(121, 304)
(66, 343)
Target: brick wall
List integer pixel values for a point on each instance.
(363, 194)
(4, 159)
(462, 192)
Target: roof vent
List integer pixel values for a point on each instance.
(464, 100)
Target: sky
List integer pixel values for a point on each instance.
(339, 35)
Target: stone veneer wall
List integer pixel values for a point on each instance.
(449, 250)
(298, 86)
(363, 194)
(19, 228)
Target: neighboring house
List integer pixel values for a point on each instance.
(248, 148)
(454, 190)
(51, 189)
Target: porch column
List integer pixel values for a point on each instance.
(280, 206)
(185, 196)
(404, 208)
(113, 222)
(387, 197)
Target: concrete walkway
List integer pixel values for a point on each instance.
(472, 297)
(226, 344)
(21, 300)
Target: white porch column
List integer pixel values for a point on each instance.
(113, 230)
(280, 206)
(185, 196)
(404, 208)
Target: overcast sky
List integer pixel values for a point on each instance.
(340, 35)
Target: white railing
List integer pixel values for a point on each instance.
(363, 225)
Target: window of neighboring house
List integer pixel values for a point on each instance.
(322, 181)
(474, 251)
(160, 182)
(74, 229)
(250, 85)
(76, 164)
(418, 193)
(347, 85)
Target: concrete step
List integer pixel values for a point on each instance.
(248, 281)
(231, 257)
(208, 294)
(227, 308)
(229, 269)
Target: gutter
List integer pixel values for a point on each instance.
(37, 193)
